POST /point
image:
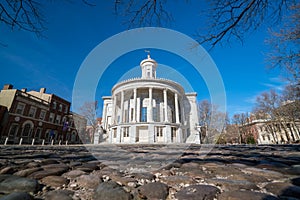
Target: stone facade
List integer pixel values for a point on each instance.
(266, 131)
(150, 110)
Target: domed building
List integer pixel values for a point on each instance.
(150, 110)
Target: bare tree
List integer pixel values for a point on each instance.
(285, 45)
(26, 15)
(143, 13)
(227, 19)
(232, 134)
(88, 110)
(23, 14)
(240, 120)
(266, 103)
(204, 113)
(290, 108)
(283, 112)
(234, 19)
(211, 120)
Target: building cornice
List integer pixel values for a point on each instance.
(150, 80)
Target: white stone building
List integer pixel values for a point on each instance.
(150, 110)
(272, 132)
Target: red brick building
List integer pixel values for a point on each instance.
(36, 115)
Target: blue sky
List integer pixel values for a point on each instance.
(74, 30)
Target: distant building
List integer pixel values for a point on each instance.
(266, 131)
(3, 117)
(150, 110)
(36, 115)
(91, 130)
(78, 123)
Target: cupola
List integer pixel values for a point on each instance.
(148, 67)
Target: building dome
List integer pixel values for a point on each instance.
(149, 110)
(148, 60)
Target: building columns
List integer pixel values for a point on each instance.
(122, 107)
(166, 105)
(176, 109)
(182, 118)
(114, 114)
(134, 105)
(104, 116)
(150, 107)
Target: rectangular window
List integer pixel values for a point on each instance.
(144, 114)
(20, 108)
(51, 117)
(60, 107)
(57, 120)
(32, 112)
(66, 109)
(159, 131)
(54, 105)
(42, 115)
(126, 132)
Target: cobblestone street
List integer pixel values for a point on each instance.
(150, 172)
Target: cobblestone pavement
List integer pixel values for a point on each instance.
(150, 172)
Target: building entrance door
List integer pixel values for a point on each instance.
(142, 133)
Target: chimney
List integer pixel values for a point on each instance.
(8, 87)
(24, 89)
(42, 90)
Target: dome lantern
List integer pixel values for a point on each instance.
(148, 67)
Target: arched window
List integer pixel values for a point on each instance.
(27, 129)
(13, 131)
